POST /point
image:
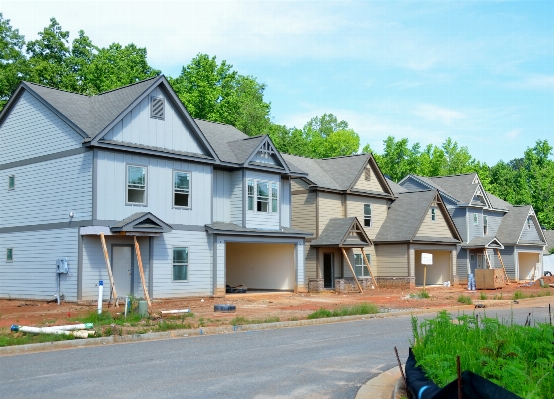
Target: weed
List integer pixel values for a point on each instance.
(465, 299)
(424, 294)
(293, 318)
(482, 296)
(358, 309)
(201, 322)
(518, 295)
(166, 326)
(241, 320)
(498, 297)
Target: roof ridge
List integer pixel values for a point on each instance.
(458, 174)
(126, 86)
(218, 123)
(343, 156)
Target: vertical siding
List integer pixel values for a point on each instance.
(32, 130)
(304, 212)
(94, 266)
(46, 192)
(264, 220)
(330, 206)
(32, 274)
(285, 203)
(372, 184)
(494, 219)
(436, 228)
(222, 196)
(379, 209)
(473, 230)
(236, 203)
(139, 128)
(392, 260)
(112, 185)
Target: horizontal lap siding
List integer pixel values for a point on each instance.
(530, 234)
(222, 196)
(32, 130)
(392, 260)
(509, 258)
(46, 192)
(310, 265)
(236, 203)
(473, 230)
(494, 219)
(111, 189)
(436, 228)
(372, 184)
(462, 262)
(139, 128)
(32, 274)
(199, 272)
(330, 206)
(265, 220)
(285, 203)
(379, 209)
(303, 212)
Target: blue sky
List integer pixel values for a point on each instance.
(479, 72)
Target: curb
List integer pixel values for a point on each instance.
(381, 386)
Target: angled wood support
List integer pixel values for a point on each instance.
(141, 270)
(503, 268)
(369, 268)
(109, 267)
(353, 272)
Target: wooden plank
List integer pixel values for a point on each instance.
(369, 268)
(109, 267)
(141, 270)
(503, 268)
(353, 272)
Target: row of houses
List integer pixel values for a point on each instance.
(206, 206)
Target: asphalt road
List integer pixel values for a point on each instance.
(326, 361)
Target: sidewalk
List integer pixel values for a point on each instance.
(386, 385)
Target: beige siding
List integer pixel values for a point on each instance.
(310, 263)
(330, 206)
(372, 184)
(303, 212)
(392, 260)
(369, 251)
(379, 208)
(298, 184)
(436, 228)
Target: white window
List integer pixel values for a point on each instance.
(9, 254)
(529, 223)
(367, 215)
(485, 225)
(136, 185)
(433, 214)
(11, 182)
(180, 263)
(476, 219)
(181, 189)
(360, 268)
(260, 193)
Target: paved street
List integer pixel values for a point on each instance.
(327, 361)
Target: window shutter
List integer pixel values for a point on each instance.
(157, 108)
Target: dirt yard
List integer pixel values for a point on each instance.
(257, 306)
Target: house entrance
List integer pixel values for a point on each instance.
(529, 265)
(327, 270)
(122, 269)
(479, 261)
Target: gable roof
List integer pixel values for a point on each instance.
(513, 222)
(498, 203)
(141, 222)
(460, 187)
(484, 242)
(343, 232)
(406, 214)
(549, 236)
(395, 187)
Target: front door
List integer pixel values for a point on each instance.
(327, 270)
(122, 269)
(479, 261)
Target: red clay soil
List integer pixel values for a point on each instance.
(259, 306)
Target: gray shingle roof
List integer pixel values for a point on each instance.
(549, 235)
(498, 203)
(337, 233)
(219, 135)
(343, 170)
(512, 224)
(482, 242)
(315, 173)
(142, 221)
(457, 186)
(395, 187)
(245, 147)
(231, 228)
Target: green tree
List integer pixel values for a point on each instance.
(12, 59)
(326, 137)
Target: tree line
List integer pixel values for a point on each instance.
(214, 91)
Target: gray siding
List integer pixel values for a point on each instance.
(459, 218)
(529, 234)
(32, 274)
(32, 130)
(264, 220)
(508, 257)
(46, 192)
(494, 219)
(412, 185)
(170, 133)
(285, 203)
(392, 260)
(473, 230)
(111, 189)
(236, 197)
(462, 261)
(222, 196)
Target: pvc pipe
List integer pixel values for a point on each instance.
(70, 327)
(100, 293)
(50, 330)
(175, 311)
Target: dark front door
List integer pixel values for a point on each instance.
(327, 270)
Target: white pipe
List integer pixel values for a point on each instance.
(175, 311)
(100, 292)
(50, 330)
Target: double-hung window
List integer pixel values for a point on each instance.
(136, 185)
(433, 214)
(476, 219)
(274, 197)
(181, 189)
(485, 225)
(251, 195)
(360, 268)
(11, 182)
(529, 222)
(262, 196)
(180, 263)
(9, 254)
(367, 215)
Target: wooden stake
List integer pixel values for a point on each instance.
(109, 267)
(401, 371)
(139, 259)
(503, 268)
(369, 268)
(353, 272)
(424, 276)
(459, 371)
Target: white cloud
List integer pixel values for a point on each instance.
(439, 114)
(512, 134)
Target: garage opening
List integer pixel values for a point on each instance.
(438, 272)
(260, 267)
(529, 266)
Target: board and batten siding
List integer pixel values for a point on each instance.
(392, 260)
(379, 209)
(222, 196)
(32, 130)
(46, 192)
(493, 219)
(32, 274)
(139, 128)
(94, 266)
(285, 202)
(111, 189)
(330, 206)
(236, 197)
(372, 184)
(263, 220)
(434, 228)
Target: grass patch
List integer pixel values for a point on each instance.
(358, 309)
(421, 295)
(516, 357)
(521, 295)
(518, 295)
(482, 296)
(240, 320)
(465, 299)
(8, 338)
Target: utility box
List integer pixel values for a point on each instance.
(489, 279)
(61, 266)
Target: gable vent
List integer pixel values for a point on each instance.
(367, 173)
(157, 108)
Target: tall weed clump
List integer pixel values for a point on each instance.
(515, 357)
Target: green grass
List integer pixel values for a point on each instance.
(423, 294)
(518, 295)
(516, 357)
(8, 338)
(482, 296)
(521, 295)
(465, 299)
(240, 320)
(358, 309)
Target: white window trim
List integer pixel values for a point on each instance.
(370, 216)
(270, 196)
(127, 203)
(11, 188)
(152, 116)
(173, 189)
(433, 214)
(9, 260)
(485, 225)
(365, 271)
(475, 219)
(187, 265)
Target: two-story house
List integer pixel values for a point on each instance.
(494, 232)
(203, 204)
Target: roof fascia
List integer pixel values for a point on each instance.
(497, 240)
(483, 193)
(54, 110)
(356, 223)
(536, 223)
(277, 233)
(129, 226)
(267, 139)
(379, 174)
(11, 102)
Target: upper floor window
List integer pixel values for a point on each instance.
(360, 268)
(260, 193)
(476, 219)
(433, 214)
(181, 189)
(180, 263)
(136, 185)
(367, 215)
(485, 225)
(9, 254)
(157, 108)
(529, 222)
(11, 182)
